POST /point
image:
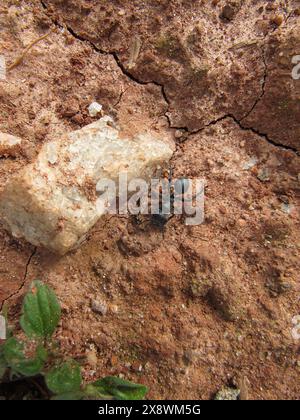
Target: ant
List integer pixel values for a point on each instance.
(168, 194)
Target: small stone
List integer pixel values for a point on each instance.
(287, 208)
(250, 164)
(263, 175)
(9, 145)
(2, 68)
(99, 307)
(228, 394)
(178, 134)
(94, 109)
(2, 328)
(241, 223)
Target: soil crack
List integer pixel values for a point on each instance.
(251, 129)
(263, 87)
(24, 279)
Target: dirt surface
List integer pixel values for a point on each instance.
(185, 310)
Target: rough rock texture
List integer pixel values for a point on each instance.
(53, 202)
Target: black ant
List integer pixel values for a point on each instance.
(168, 193)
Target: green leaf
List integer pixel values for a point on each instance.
(119, 388)
(69, 396)
(13, 352)
(65, 378)
(94, 392)
(3, 363)
(41, 311)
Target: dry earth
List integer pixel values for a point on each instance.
(189, 309)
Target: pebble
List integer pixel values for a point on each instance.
(228, 394)
(94, 109)
(287, 208)
(263, 175)
(99, 307)
(250, 164)
(9, 145)
(2, 328)
(2, 68)
(241, 223)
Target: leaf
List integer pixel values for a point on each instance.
(119, 388)
(94, 392)
(69, 396)
(41, 311)
(13, 352)
(3, 364)
(65, 378)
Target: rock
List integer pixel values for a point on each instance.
(94, 109)
(2, 328)
(287, 208)
(2, 68)
(99, 307)
(250, 163)
(9, 145)
(263, 175)
(228, 394)
(53, 202)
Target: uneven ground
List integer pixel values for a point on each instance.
(190, 310)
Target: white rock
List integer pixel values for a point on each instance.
(2, 328)
(99, 307)
(94, 109)
(9, 145)
(53, 203)
(2, 68)
(253, 161)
